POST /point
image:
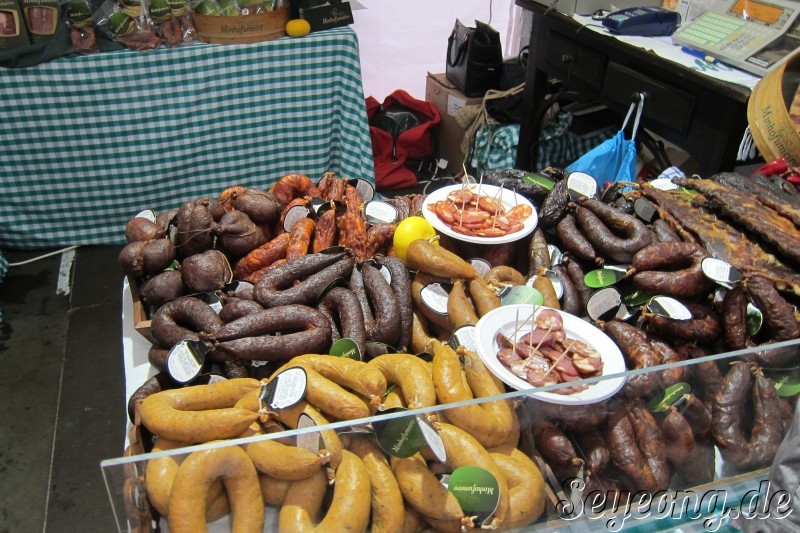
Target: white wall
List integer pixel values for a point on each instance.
(401, 41)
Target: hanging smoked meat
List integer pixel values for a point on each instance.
(720, 239)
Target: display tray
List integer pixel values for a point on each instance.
(126, 476)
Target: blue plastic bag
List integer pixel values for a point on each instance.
(615, 159)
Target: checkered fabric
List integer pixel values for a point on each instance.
(90, 141)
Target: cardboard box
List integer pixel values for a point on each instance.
(448, 100)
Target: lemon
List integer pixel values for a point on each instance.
(409, 230)
(298, 28)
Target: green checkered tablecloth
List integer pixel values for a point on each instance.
(88, 142)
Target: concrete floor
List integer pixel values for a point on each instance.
(62, 390)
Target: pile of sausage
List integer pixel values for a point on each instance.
(371, 490)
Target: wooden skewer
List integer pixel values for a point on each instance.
(560, 357)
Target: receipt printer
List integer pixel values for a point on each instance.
(647, 21)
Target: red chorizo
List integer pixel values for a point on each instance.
(325, 234)
(300, 238)
(263, 256)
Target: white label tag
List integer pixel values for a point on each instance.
(435, 297)
(454, 104)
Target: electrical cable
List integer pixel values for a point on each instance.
(34, 259)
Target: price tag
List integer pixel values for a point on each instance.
(285, 390)
(186, 360)
(464, 336)
(664, 184)
(308, 441)
(556, 257)
(149, 214)
(645, 209)
(293, 215)
(720, 272)
(541, 181)
(476, 490)
(380, 212)
(754, 318)
(399, 437)
(212, 299)
(787, 382)
(365, 189)
(668, 307)
(345, 348)
(604, 304)
(373, 349)
(239, 289)
(434, 296)
(481, 266)
(581, 185)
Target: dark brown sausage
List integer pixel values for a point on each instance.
(778, 313)
(385, 326)
(171, 321)
(671, 269)
(154, 384)
(704, 326)
(613, 234)
(594, 449)
(767, 433)
(574, 241)
(638, 353)
(734, 318)
(538, 254)
(727, 414)
(277, 286)
(663, 231)
(401, 285)
(234, 308)
(553, 444)
(577, 274)
(342, 303)
(666, 354)
(570, 298)
(637, 449)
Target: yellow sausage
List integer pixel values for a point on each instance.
(279, 460)
(512, 441)
(393, 399)
(526, 488)
(410, 374)
(490, 424)
(484, 297)
(190, 490)
(424, 256)
(412, 521)
(332, 446)
(273, 490)
(354, 375)
(349, 508)
(388, 511)
(160, 475)
(464, 450)
(505, 275)
(199, 413)
(422, 490)
(460, 310)
(420, 338)
(544, 285)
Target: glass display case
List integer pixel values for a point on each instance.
(682, 445)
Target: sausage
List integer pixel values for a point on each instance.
(778, 313)
(292, 186)
(342, 304)
(411, 375)
(504, 274)
(575, 418)
(423, 492)
(199, 413)
(171, 321)
(303, 330)
(385, 326)
(554, 445)
(300, 238)
(263, 256)
(195, 476)
(144, 258)
(319, 270)
(704, 326)
(195, 222)
(538, 254)
(727, 414)
(235, 368)
(485, 299)
(734, 318)
(526, 488)
(325, 234)
(637, 449)
(401, 285)
(281, 461)
(424, 256)
(638, 353)
(353, 233)
(614, 234)
(234, 308)
(237, 235)
(594, 449)
(378, 236)
(302, 503)
(545, 287)
(260, 206)
(332, 445)
(570, 298)
(554, 206)
(671, 269)
(356, 284)
(767, 433)
(663, 231)
(575, 242)
(498, 254)
(421, 339)
(420, 281)
(577, 274)
(157, 356)
(388, 510)
(666, 355)
(706, 377)
(460, 310)
(690, 459)
(330, 397)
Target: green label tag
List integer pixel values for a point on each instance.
(755, 319)
(603, 277)
(670, 397)
(399, 437)
(787, 382)
(345, 348)
(539, 180)
(636, 297)
(522, 294)
(476, 490)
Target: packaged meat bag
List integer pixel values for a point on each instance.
(13, 33)
(42, 18)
